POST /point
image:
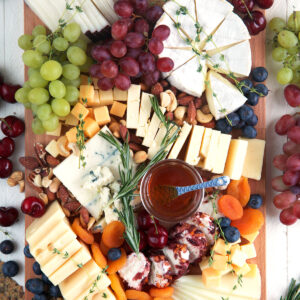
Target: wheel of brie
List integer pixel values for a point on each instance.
(207, 38)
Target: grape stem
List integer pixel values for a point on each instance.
(5, 122)
(248, 11)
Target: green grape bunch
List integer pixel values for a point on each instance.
(286, 48)
(55, 62)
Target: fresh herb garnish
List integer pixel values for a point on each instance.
(80, 140)
(293, 292)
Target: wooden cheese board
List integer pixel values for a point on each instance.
(258, 59)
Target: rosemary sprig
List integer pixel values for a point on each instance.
(293, 292)
(80, 141)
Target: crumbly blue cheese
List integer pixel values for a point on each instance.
(99, 177)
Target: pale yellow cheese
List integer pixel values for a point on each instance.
(251, 237)
(211, 277)
(212, 151)
(184, 133)
(220, 262)
(56, 132)
(205, 142)
(86, 295)
(79, 259)
(254, 159)
(120, 95)
(254, 271)
(241, 271)
(204, 264)
(145, 111)
(133, 106)
(155, 145)
(52, 148)
(249, 250)
(222, 152)
(221, 247)
(104, 295)
(237, 257)
(235, 159)
(106, 97)
(192, 154)
(71, 120)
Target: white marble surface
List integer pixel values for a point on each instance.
(282, 242)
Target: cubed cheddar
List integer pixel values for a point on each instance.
(211, 277)
(242, 271)
(118, 109)
(84, 80)
(72, 135)
(86, 94)
(52, 148)
(91, 113)
(254, 271)
(249, 250)
(220, 247)
(79, 110)
(251, 237)
(237, 256)
(102, 116)
(120, 95)
(71, 120)
(106, 97)
(56, 132)
(90, 127)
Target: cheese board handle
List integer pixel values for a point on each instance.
(220, 181)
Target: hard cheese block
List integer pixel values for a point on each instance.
(133, 106)
(205, 142)
(145, 111)
(212, 151)
(222, 152)
(254, 159)
(192, 154)
(105, 295)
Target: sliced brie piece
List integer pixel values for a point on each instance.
(236, 60)
(145, 111)
(222, 96)
(190, 78)
(232, 31)
(106, 8)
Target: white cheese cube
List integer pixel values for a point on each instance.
(222, 153)
(192, 155)
(52, 148)
(133, 106)
(249, 250)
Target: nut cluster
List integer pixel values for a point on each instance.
(17, 178)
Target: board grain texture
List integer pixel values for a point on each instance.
(258, 59)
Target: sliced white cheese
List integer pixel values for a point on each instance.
(236, 60)
(205, 142)
(192, 155)
(222, 152)
(106, 8)
(212, 150)
(184, 133)
(222, 96)
(152, 128)
(133, 106)
(145, 111)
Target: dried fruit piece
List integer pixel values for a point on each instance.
(113, 234)
(240, 189)
(98, 256)
(137, 295)
(230, 207)
(83, 234)
(116, 265)
(104, 249)
(163, 293)
(117, 286)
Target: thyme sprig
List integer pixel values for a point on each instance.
(64, 255)
(93, 287)
(80, 138)
(293, 292)
(6, 233)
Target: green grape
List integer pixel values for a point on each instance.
(21, 95)
(39, 29)
(37, 126)
(70, 71)
(41, 44)
(44, 112)
(32, 58)
(72, 32)
(76, 56)
(279, 54)
(294, 21)
(60, 44)
(38, 96)
(34, 108)
(26, 85)
(86, 67)
(287, 39)
(277, 24)
(76, 82)
(57, 89)
(296, 76)
(31, 71)
(295, 64)
(293, 50)
(72, 94)
(51, 70)
(285, 76)
(27, 105)
(51, 124)
(61, 107)
(25, 41)
(81, 43)
(36, 80)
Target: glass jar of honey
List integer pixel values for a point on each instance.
(171, 172)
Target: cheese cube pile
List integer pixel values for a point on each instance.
(66, 261)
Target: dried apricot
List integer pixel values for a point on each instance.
(240, 189)
(251, 221)
(230, 207)
(98, 256)
(159, 298)
(83, 234)
(137, 295)
(116, 265)
(113, 234)
(104, 249)
(117, 286)
(162, 293)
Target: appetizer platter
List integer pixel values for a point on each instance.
(124, 98)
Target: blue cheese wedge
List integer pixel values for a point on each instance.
(98, 178)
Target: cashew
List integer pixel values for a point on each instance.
(22, 185)
(180, 112)
(205, 109)
(173, 105)
(74, 148)
(62, 146)
(116, 134)
(44, 198)
(11, 182)
(53, 188)
(46, 182)
(91, 223)
(165, 99)
(17, 176)
(140, 157)
(123, 122)
(203, 118)
(37, 180)
(114, 126)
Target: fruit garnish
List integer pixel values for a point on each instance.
(12, 126)
(8, 216)
(33, 207)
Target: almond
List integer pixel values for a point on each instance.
(164, 84)
(198, 102)
(185, 100)
(135, 147)
(29, 162)
(157, 89)
(169, 116)
(63, 193)
(84, 217)
(72, 205)
(135, 139)
(52, 161)
(51, 196)
(124, 133)
(191, 112)
(182, 94)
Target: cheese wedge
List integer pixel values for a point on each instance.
(212, 152)
(221, 155)
(133, 106)
(192, 155)
(184, 133)
(205, 142)
(145, 111)
(222, 96)
(235, 159)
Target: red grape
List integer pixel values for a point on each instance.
(100, 53)
(122, 82)
(161, 32)
(284, 124)
(291, 148)
(109, 69)
(123, 8)
(119, 29)
(294, 134)
(95, 71)
(293, 162)
(296, 209)
(140, 6)
(155, 46)
(105, 84)
(134, 40)
(141, 26)
(154, 13)
(165, 64)
(290, 178)
(151, 78)
(287, 216)
(147, 62)
(284, 200)
(130, 23)
(264, 3)
(279, 161)
(240, 6)
(129, 66)
(295, 189)
(134, 52)
(256, 23)
(278, 185)
(292, 95)
(118, 49)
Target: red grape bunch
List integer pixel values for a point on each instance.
(131, 54)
